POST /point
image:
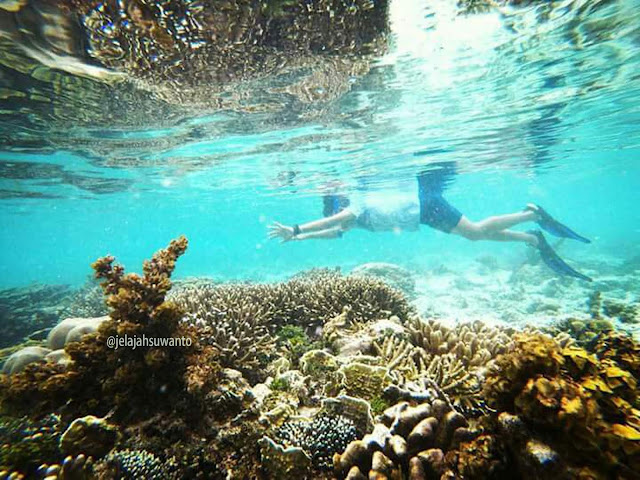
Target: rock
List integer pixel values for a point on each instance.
(58, 356)
(91, 436)
(20, 359)
(260, 392)
(283, 463)
(315, 362)
(72, 330)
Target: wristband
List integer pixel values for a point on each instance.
(296, 230)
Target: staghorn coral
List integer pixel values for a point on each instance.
(101, 379)
(320, 438)
(450, 358)
(580, 407)
(306, 300)
(417, 436)
(241, 341)
(474, 344)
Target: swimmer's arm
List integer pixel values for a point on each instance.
(340, 222)
(343, 218)
(326, 234)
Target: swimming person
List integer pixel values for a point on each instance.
(384, 211)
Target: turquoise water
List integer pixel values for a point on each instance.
(530, 109)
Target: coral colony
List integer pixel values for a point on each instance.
(323, 376)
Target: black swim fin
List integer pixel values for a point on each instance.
(553, 261)
(554, 227)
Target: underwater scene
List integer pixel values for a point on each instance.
(320, 239)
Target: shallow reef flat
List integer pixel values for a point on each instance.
(328, 376)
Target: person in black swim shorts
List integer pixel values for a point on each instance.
(396, 211)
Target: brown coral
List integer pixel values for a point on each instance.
(132, 382)
(583, 406)
(417, 436)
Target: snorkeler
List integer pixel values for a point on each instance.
(400, 211)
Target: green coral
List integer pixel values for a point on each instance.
(295, 342)
(280, 384)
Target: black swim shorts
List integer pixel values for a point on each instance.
(436, 212)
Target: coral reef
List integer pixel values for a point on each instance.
(307, 300)
(626, 313)
(585, 332)
(87, 302)
(26, 310)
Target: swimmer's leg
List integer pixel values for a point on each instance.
(488, 229)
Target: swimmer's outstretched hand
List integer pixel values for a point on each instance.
(283, 232)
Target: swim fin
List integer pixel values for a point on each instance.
(553, 261)
(554, 227)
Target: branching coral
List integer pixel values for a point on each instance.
(306, 300)
(473, 344)
(450, 357)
